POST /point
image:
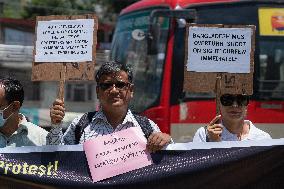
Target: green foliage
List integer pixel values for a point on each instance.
(106, 10)
(54, 7)
(9, 8)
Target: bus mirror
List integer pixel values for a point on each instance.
(138, 34)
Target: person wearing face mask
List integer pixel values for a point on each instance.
(231, 124)
(15, 130)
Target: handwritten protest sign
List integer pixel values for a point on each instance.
(117, 153)
(222, 53)
(64, 40)
(65, 46)
(219, 49)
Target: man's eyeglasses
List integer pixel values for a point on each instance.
(228, 100)
(119, 85)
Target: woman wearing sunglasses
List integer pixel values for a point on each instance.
(231, 124)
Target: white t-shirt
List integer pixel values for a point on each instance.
(254, 134)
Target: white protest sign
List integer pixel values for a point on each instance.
(64, 40)
(117, 153)
(213, 49)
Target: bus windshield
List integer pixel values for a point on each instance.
(129, 46)
(269, 47)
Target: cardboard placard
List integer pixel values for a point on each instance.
(65, 48)
(224, 51)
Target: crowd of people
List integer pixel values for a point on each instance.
(114, 89)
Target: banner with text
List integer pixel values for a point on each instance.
(218, 165)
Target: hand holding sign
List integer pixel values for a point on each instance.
(214, 129)
(157, 141)
(57, 111)
(65, 49)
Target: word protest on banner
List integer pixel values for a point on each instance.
(225, 52)
(117, 153)
(65, 46)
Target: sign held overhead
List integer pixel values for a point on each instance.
(65, 48)
(223, 53)
(64, 40)
(212, 49)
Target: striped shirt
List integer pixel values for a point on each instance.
(99, 126)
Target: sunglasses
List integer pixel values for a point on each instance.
(119, 85)
(228, 100)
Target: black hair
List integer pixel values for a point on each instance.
(14, 90)
(111, 67)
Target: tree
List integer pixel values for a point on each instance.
(106, 10)
(8, 8)
(53, 7)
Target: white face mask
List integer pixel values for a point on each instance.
(2, 120)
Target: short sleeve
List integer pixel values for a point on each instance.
(154, 126)
(200, 135)
(56, 136)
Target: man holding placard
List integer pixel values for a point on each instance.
(15, 130)
(231, 124)
(114, 90)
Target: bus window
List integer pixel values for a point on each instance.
(271, 75)
(130, 47)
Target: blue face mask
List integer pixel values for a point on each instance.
(2, 120)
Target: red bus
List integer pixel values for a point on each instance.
(150, 35)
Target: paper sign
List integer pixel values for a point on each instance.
(64, 40)
(219, 53)
(219, 49)
(65, 48)
(117, 153)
